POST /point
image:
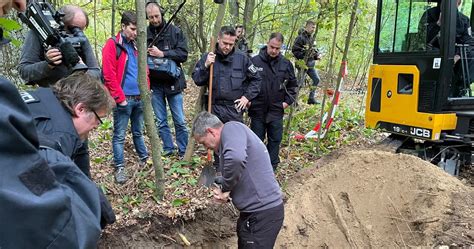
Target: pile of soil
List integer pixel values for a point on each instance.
(352, 198)
(371, 199)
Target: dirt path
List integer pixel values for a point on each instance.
(351, 198)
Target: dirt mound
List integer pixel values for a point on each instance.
(373, 199)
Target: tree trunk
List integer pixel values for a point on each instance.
(333, 48)
(112, 27)
(146, 98)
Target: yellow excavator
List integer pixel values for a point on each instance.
(419, 86)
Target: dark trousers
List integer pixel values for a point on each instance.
(260, 229)
(274, 132)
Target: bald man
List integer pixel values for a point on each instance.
(45, 67)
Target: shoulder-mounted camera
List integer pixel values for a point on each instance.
(47, 24)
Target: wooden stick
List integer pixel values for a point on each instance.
(209, 98)
(342, 222)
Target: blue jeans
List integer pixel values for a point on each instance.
(273, 131)
(313, 74)
(133, 111)
(175, 102)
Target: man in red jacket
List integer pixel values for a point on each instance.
(120, 68)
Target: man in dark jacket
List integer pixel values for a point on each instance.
(45, 67)
(65, 114)
(172, 45)
(235, 80)
(46, 201)
(303, 48)
(247, 179)
(277, 92)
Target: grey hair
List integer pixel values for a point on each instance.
(203, 121)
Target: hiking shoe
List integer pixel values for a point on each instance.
(120, 175)
(167, 153)
(142, 162)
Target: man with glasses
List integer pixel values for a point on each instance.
(45, 67)
(65, 114)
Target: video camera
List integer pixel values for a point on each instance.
(45, 21)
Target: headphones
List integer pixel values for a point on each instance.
(162, 11)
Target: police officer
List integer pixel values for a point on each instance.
(235, 80)
(42, 193)
(277, 92)
(65, 114)
(171, 44)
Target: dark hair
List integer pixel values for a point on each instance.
(129, 17)
(278, 36)
(80, 87)
(239, 26)
(309, 22)
(70, 12)
(227, 30)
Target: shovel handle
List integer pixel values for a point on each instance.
(209, 98)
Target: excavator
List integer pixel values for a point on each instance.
(419, 86)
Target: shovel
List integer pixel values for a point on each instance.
(208, 173)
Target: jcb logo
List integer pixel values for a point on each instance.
(419, 132)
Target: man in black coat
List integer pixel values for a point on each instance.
(172, 45)
(235, 79)
(303, 48)
(277, 92)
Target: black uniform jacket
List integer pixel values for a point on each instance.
(54, 123)
(234, 76)
(278, 85)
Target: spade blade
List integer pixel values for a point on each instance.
(208, 173)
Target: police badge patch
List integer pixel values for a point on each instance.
(28, 98)
(252, 69)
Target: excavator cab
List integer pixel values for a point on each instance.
(420, 86)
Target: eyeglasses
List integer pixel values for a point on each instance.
(97, 116)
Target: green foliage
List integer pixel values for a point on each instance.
(179, 202)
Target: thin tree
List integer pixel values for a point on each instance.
(199, 104)
(146, 98)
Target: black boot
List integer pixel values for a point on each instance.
(311, 99)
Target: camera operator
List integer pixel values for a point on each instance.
(45, 68)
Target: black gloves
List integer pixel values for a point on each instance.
(107, 215)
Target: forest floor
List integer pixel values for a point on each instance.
(350, 195)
